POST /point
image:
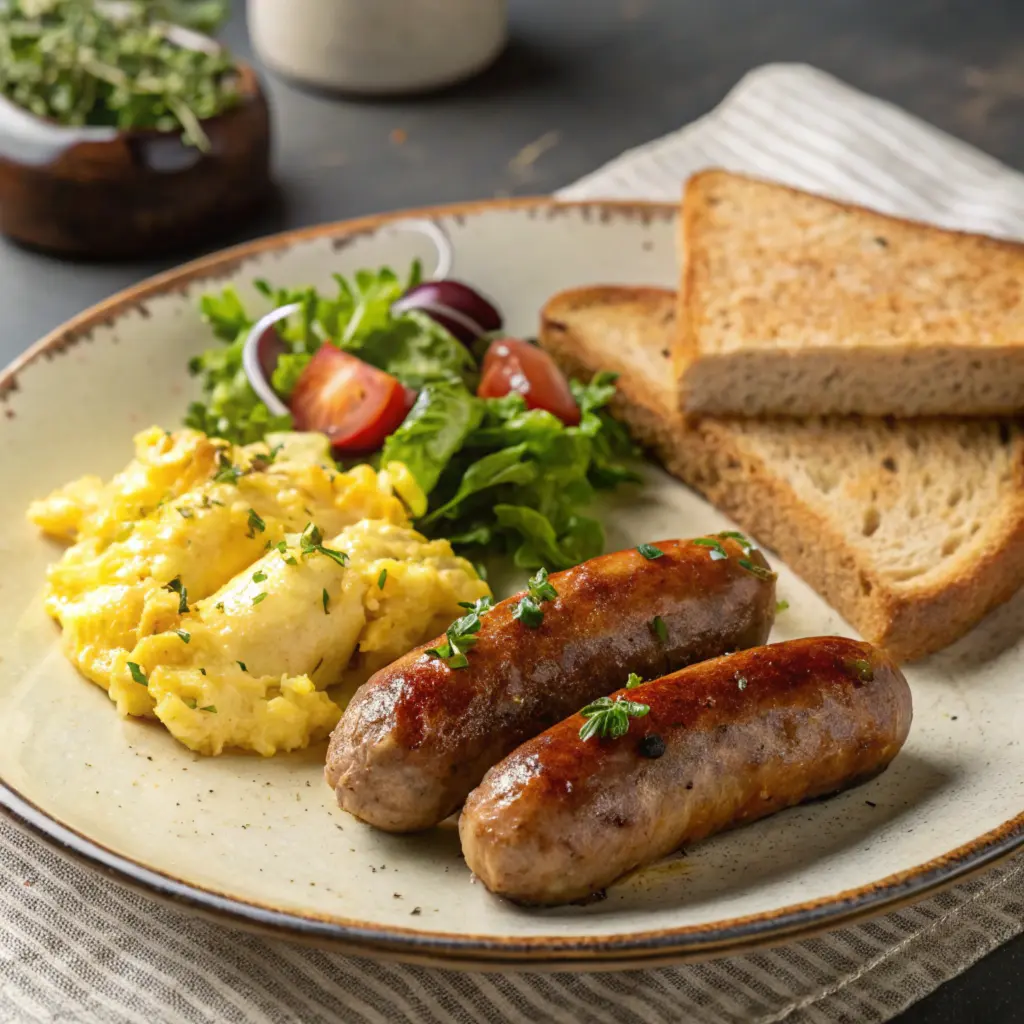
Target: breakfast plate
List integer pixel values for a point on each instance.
(260, 841)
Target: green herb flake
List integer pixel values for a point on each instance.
(219, 606)
(740, 538)
(227, 472)
(540, 587)
(460, 636)
(781, 606)
(312, 542)
(649, 551)
(256, 524)
(190, 702)
(259, 597)
(241, 665)
(659, 629)
(185, 636)
(202, 671)
(137, 674)
(327, 602)
(282, 547)
(718, 552)
(258, 577)
(382, 579)
(211, 708)
(528, 612)
(179, 588)
(607, 718)
(185, 512)
(633, 681)
(755, 570)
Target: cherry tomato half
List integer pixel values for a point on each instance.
(514, 365)
(356, 405)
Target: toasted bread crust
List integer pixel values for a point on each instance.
(910, 619)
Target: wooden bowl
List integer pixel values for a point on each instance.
(101, 193)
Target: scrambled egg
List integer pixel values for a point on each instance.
(221, 589)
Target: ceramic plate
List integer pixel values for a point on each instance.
(262, 842)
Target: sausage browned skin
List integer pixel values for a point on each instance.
(725, 742)
(418, 736)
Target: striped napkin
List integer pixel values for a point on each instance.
(76, 947)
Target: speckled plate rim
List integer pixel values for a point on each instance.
(635, 950)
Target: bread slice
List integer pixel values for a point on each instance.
(912, 531)
(795, 305)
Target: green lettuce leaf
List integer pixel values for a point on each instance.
(435, 429)
(416, 350)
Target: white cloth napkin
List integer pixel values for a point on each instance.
(75, 946)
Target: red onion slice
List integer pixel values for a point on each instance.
(260, 353)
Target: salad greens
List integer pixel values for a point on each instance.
(500, 478)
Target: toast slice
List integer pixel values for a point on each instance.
(911, 531)
(795, 305)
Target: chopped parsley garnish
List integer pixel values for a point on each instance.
(219, 606)
(227, 473)
(649, 551)
(207, 502)
(539, 590)
(185, 637)
(741, 682)
(528, 612)
(757, 570)
(781, 606)
(312, 542)
(633, 681)
(460, 636)
(610, 718)
(327, 602)
(179, 588)
(382, 579)
(718, 552)
(258, 577)
(741, 539)
(540, 587)
(282, 547)
(263, 459)
(256, 525)
(203, 671)
(189, 702)
(659, 629)
(137, 674)
(260, 597)
(212, 708)
(241, 665)
(185, 512)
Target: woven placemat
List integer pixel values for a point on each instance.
(75, 946)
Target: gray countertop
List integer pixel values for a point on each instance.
(591, 80)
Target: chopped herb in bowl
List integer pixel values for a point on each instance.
(116, 64)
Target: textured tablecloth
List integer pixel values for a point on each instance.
(75, 946)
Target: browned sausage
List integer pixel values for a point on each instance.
(419, 735)
(724, 743)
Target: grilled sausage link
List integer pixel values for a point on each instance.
(419, 735)
(724, 743)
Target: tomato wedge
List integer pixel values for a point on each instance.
(356, 405)
(514, 365)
